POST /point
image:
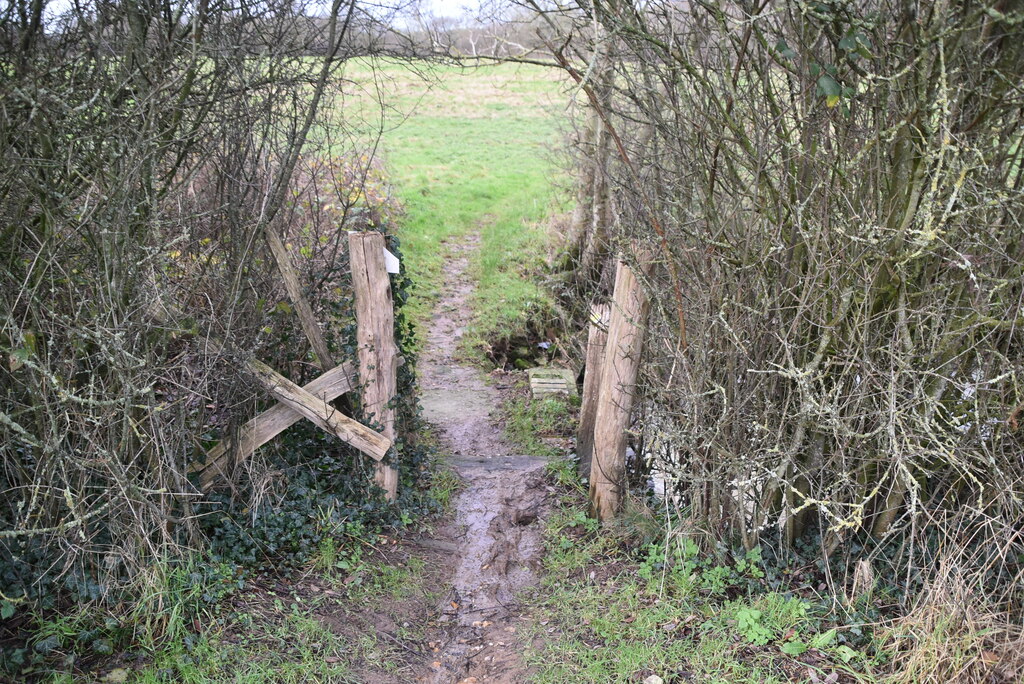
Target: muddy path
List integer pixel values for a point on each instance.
(496, 530)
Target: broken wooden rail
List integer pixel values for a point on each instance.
(376, 375)
(271, 423)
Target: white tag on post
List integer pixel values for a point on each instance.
(391, 262)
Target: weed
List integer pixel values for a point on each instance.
(444, 484)
(563, 471)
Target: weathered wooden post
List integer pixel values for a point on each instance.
(597, 338)
(378, 354)
(618, 381)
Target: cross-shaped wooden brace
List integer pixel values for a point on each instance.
(311, 402)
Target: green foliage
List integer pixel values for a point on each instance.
(681, 562)
(564, 472)
(444, 484)
(678, 607)
(528, 421)
(748, 624)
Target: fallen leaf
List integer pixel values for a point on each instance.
(436, 663)
(455, 605)
(116, 676)
(332, 659)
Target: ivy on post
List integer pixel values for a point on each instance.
(375, 338)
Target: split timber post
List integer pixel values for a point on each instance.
(378, 354)
(597, 338)
(618, 382)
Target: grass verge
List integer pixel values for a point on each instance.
(540, 426)
(363, 610)
(612, 611)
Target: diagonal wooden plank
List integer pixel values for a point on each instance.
(294, 288)
(351, 432)
(273, 422)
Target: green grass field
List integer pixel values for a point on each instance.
(469, 151)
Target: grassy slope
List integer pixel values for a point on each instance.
(470, 150)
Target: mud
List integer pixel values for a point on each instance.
(497, 525)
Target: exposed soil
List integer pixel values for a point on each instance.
(496, 526)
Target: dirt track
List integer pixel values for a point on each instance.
(496, 526)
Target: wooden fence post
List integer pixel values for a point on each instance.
(618, 381)
(597, 338)
(378, 354)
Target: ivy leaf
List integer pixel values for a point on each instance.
(848, 43)
(830, 88)
(6, 610)
(784, 50)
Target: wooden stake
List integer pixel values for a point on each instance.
(597, 338)
(378, 354)
(615, 400)
(294, 288)
(271, 423)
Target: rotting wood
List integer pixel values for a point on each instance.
(615, 399)
(324, 415)
(375, 338)
(293, 287)
(597, 338)
(551, 380)
(271, 423)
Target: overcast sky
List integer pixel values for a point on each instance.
(451, 8)
(438, 8)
